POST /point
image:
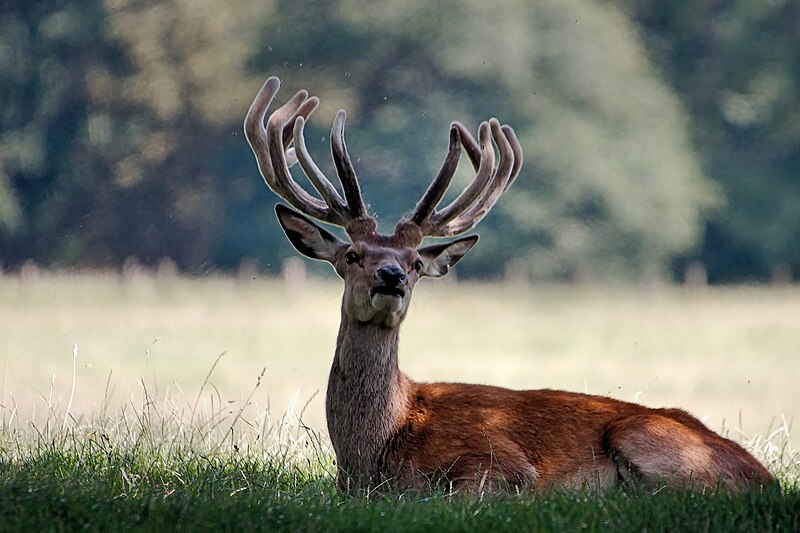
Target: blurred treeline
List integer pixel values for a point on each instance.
(656, 134)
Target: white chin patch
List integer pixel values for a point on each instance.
(388, 303)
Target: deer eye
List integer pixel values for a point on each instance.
(351, 257)
(418, 265)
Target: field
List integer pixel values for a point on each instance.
(197, 398)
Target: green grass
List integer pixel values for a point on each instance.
(156, 468)
(149, 427)
(83, 483)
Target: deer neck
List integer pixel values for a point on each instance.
(366, 400)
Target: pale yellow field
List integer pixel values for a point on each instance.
(730, 356)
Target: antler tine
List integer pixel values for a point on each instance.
(433, 195)
(516, 147)
(472, 192)
(501, 180)
(471, 146)
(286, 186)
(475, 201)
(424, 214)
(345, 170)
(254, 125)
(325, 188)
(268, 145)
(271, 146)
(303, 112)
(254, 121)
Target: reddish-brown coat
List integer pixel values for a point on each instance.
(478, 437)
(386, 428)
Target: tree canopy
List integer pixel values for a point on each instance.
(654, 135)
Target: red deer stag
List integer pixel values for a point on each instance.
(388, 430)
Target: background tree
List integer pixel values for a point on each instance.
(121, 120)
(610, 182)
(736, 66)
(60, 129)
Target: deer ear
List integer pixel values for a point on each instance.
(438, 258)
(308, 238)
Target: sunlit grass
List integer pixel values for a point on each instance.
(176, 402)
(730, 356)
(170, 463)
(150, 469)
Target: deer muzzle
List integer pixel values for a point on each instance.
(388, 295)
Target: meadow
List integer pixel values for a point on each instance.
(165, 401)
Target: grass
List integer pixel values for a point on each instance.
(146, 426)
(151, 470)
(237, 494)
(163, 466)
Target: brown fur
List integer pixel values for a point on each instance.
(387, 430)
(549, 438)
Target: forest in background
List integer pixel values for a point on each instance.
(657, 135)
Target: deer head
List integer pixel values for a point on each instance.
(379, 271)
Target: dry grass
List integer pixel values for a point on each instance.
(730, 356)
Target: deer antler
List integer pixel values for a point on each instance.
(475, 201)
(284, 127)
(270, 145)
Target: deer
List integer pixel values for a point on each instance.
(389, 431)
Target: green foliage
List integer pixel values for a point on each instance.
(53, 139)
(610, 182)
(121, 127)
(736, 66)
(110, 130)
(88, 485)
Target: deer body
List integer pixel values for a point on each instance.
(388, 430)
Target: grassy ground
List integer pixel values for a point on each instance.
(730, 356)
(96, 491)
(155, 468)
(180, 405)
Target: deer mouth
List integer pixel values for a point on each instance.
(388, 291)
(388, 299)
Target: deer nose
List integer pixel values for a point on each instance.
(391, 275)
